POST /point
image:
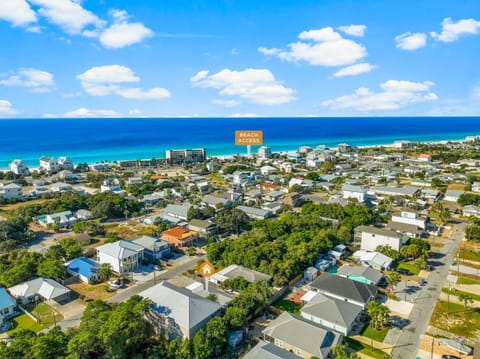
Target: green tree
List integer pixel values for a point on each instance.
(51, 268)
(104, 272)
(202, 347)
(379, 315)
(465, 298)
(340, 352)
(71, 247)
(393, 278)
(217, 335)
(235, 317)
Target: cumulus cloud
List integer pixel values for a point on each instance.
(69, 15)
(122, 33)
(353, 30)
(6, 109)
(85, 112)
(108, 80)
(409, 41)
(451, 30)
(395, 95)
(74, 19)
(323, 47)
(37, 80)
(17, 12)
(255, 85)
(354, 70)
(226, 103)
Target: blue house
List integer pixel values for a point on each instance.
(85, 269)
(7, 305)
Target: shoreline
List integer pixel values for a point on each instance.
(287, 151)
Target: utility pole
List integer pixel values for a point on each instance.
(448, 298)
(431, 352)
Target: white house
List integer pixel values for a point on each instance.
(7, 305)
(352, 191)
(49, 164)
(268, 170)
(476, 187)
(374, 260)
(18, 167)
(65, 163)
(111, 185)
(10, 191)
(471, 210)
(264, 152)
(412, 218)
(123, 256)
(45, 288)
(425, 157)
(373, 237)
(65, 218)
(452, 195)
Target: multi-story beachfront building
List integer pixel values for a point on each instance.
(18, 167)
(186, 156)
(48, 164)
(264, 152)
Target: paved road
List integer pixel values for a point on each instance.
(408, 340)
(127, 293)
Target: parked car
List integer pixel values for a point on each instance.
(449, 357)
(423, 282)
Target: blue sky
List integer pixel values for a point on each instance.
(73, 58)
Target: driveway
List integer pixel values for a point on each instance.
(72, 312)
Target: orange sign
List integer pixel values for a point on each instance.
(248, 138)
(207, 269)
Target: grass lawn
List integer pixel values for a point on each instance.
(288, 306)
(466, 280)
(89, 291)
(378, 335)
(409, 267)
(364, 348)
(469, 255)
(457, 293)
(45, 313)
(129, 230)
(458, 321)
(25, 322)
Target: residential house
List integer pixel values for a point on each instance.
(111, 185)
(11, 191)
(7, 306)
(102, 166)
(425, 157)
(404, 191)
(471, 210)
(175, 213)
(353, 191)
(41, 289)
(274, 207)
(331, 313)
(48, 164)
(65, 163)
(344, 289)
(372, 237)
(476, 187)
(374, 260)
(233, 271)
(264, 152)
(64, 219)
(123, 256)
(265, 350)
(412, 218)
(293, 199)
(61, 187)
(268, 170)
(204, 229)
(406, 230)
(241, 178)
(85, 269)
(452, 195)
(273, 196)
(153, 248)
(134, 181)
(18, 167)
(365, 275)
(177, 311)
(300, 336)
(255, 213)
(310, 274)
(179, 237)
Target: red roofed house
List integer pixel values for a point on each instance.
(425, 157)
(179, 237)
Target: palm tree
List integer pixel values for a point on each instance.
(393, 279)
(465, 298)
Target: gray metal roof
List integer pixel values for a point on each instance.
(150, 243)
(344, 287)
(180, 304)
(120, 249)
(47, 288)
(265, 350)
(379, 231)
(235, 270)
(303, 334)
(365, 272)
(332, 310)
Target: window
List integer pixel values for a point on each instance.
(279, 343)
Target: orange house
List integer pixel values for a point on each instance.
(179, 237)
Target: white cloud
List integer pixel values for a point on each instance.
(256, 85)
(354, 70)
(108, 80)
(69, 15)
(353, 30)
(226, 103)
(323, 47)
(85, 112)
(409, 41)
(17, 12)
(135, 112)
(395, 95)
(37, 80)
(451, 31)
(244, 115)
(122, 33)
(6, 109)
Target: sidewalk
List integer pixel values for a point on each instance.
(387, 348)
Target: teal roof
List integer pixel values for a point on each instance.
(5, 300)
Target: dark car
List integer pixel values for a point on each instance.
(449, 357)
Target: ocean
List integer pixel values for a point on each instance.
(94, 140)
